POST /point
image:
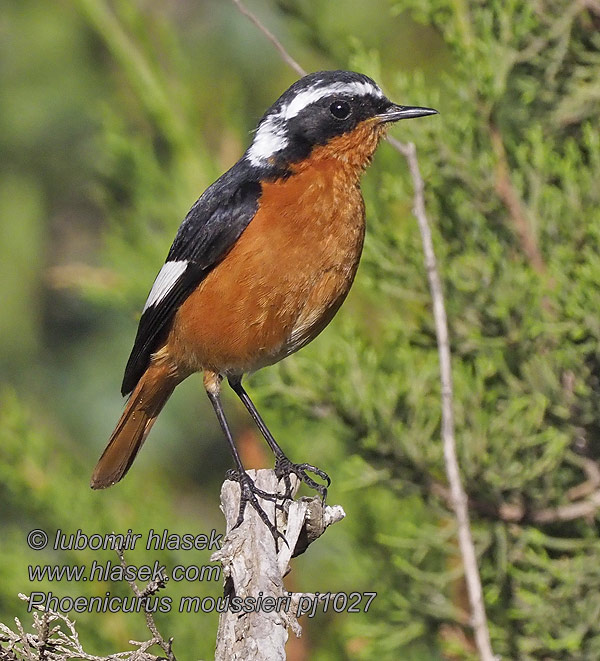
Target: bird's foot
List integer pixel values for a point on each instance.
(234, 475)
(249, 493)
(284, 468)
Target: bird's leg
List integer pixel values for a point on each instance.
(248, 490)
(283, 466)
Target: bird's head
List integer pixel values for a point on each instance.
(327, 114)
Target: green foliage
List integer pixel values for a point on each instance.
(164, 103)
(41, 488)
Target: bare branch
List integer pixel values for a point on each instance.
(53, 644)
(592, 5)
(592, 472)
(585, 507)
(285, 56)
(252, 567)
(152, 588)
(458, 495)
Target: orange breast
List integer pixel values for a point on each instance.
(282, 281)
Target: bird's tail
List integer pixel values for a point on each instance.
(142, 409)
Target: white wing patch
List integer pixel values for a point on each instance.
(271, 137)
(165, 281)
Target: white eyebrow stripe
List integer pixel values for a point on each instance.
(165, 281)
(304, 99)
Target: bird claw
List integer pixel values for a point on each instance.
(284, 468)
(249, 493)
(234, 475)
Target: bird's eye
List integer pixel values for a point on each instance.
(340, 109)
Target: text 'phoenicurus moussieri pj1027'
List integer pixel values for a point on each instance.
(260, 264)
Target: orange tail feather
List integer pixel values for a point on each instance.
(142, 409)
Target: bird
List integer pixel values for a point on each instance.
(259, 266)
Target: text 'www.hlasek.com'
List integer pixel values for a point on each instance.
(117, 571)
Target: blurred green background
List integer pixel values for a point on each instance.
(114, 117)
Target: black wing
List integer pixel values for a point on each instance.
(206, 235)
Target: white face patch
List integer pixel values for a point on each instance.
(271, 137)
(165, 281)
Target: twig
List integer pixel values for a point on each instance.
(458, 495)
(152, 588)
(585, 507)
(459, 498)
(54, 644)
(592, 482)
(287, 58)
(592, 5)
